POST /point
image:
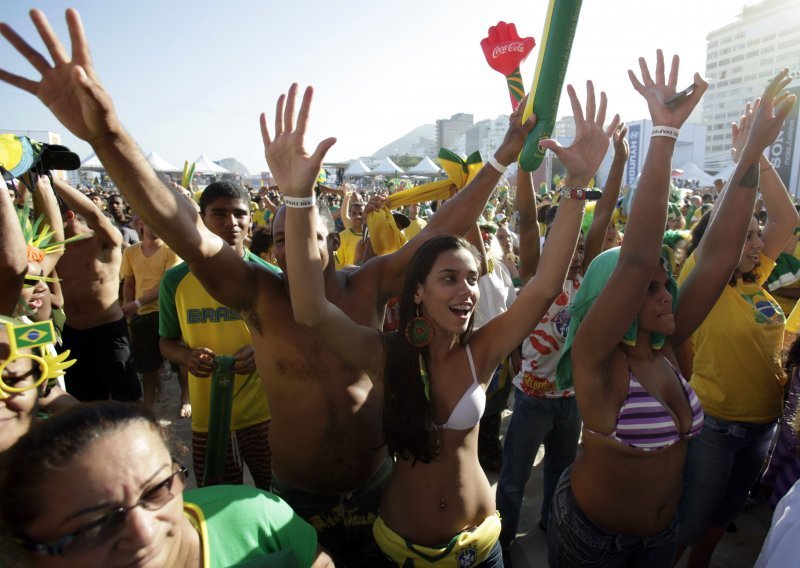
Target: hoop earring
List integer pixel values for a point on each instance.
(419, 331)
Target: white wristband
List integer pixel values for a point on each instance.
(138, 303)
(497, 165)
(299, 202)
(667, 131)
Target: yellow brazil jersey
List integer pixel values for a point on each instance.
(188, 312)
(414, 228)
(736, 373)
(147, 270)
(261, 217)
(346, 254)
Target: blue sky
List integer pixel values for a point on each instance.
(191, 77)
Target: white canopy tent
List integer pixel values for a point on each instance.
(93, 163)
(425, 166)
(693, 171)
(725, 173)
(204, 165)
(357, 168)
(160, 164)
(387, 167)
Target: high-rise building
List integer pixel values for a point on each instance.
(564, 127)
(741, 58)
(448, 129)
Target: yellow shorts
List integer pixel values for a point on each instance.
(467, 548)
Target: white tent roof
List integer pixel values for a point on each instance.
(92, 162)
(425, 166)
(356, 168)
(693, 171)
(387, 166)
(726, 173)
(160, 164)
(204, 165)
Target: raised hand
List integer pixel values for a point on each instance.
(294, 170)
(515, 135)
(375, 203)
(657, 91)
(741, 131)
(69, 87)
(768, 114)
(583, 157)
(621, 149)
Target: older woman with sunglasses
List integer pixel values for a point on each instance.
(96, 486)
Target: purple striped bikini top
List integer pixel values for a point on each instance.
(645, 424)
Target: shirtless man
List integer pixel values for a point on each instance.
(95, 331)
(328, 457)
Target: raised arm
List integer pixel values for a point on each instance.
(501, 335)
(475, 238)
(96, 220)
(296, 172)
(617, 305)
(781, 215)
(718, 253)
(604, 208)
(13, 255)
(46, 204)
(71, 89)
(529, 247)
(344, 211)
(457, 214)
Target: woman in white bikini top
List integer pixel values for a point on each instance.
(434, 371)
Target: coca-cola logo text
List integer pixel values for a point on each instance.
(499, 50)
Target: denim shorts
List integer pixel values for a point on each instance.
(343, 521)
(722, 464)
(573, 540)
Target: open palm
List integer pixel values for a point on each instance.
(69, 87)
(294, 170)
(583, 157)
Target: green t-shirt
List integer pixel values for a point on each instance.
(244, 526)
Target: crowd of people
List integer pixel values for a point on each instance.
(354, 350)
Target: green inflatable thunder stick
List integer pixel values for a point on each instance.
(551, 66)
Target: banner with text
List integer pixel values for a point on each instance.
(784, 152)
(635, 146)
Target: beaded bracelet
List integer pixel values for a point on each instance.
(580, 193)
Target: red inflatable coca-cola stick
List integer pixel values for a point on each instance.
(505, 51)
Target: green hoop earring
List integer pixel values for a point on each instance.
(419, 331)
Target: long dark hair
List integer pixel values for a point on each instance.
(407, 422)
(49, 447)
(697, 234)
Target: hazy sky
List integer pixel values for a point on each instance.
(191, 77)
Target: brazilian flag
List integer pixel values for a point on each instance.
(36, 334)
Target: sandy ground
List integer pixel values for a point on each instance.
(737, 550)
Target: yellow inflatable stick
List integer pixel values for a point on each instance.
(384, 234)
(551, 66)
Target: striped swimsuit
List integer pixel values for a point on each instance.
(645, 424)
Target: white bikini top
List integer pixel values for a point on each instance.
(469, 410)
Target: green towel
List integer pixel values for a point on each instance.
(219, 423)
(594, 281)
